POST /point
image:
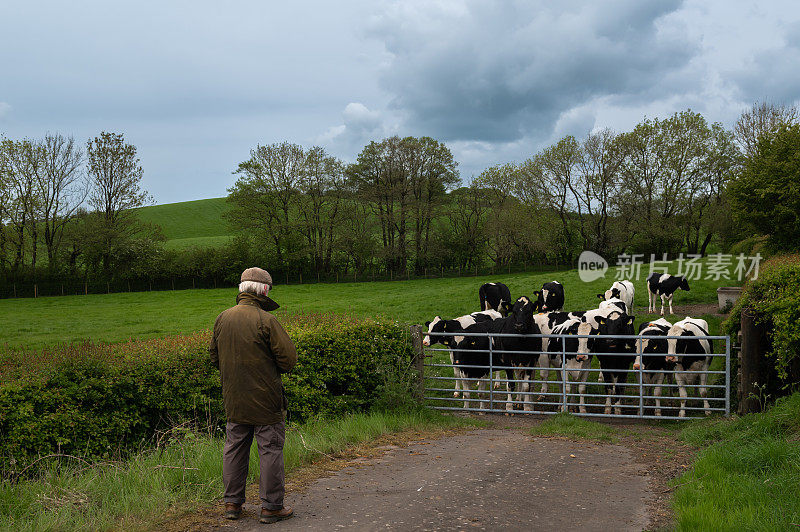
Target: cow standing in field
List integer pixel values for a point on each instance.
(550, 297)
(495, 296)
(651, 351)
(578, 355)
(622, 290)
(438, 325)
(665, 286)
(690, 356)
(474, 350)
(618, 357)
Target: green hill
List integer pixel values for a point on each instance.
(190, 223)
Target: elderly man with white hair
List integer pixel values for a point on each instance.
(252, 350)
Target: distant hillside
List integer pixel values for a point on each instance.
(190, 223)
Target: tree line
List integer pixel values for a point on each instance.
(678, 184)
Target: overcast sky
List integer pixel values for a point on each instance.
(195, 85)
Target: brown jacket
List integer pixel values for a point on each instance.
(251, 350)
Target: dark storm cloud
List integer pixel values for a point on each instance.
(501, 71)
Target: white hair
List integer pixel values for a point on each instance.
(254, 287)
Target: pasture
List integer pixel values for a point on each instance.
(34, 323)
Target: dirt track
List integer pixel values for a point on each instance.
(487, 479)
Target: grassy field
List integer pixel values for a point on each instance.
(118, 317)
(197, 222)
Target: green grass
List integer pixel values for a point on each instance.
(134, 494)
(119, 317)
(198, 219)
(749, 476)
(569, 426)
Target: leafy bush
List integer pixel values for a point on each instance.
(774, 300)
(107, 400)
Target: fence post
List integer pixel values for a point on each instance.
(85, 288)
(418, 359)
(564, 376)
(108, 287)
(491, 378)
(15, 290)
(751, 374)
(727, 376)
(641, 379)
(35, 291)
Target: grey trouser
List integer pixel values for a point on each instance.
(236, 458)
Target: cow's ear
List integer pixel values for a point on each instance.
(506, 306)
(427, 324)
(601, 321)
(601, 296)
(631, 320)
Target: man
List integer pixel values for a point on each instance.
(252, 350)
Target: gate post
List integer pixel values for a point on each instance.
(417, 361)
(750, 368)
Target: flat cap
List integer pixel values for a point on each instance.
(257, 275)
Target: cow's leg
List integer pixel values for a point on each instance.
(583, 375)
(650, 296)
(618, 391)
(527, 400)
(659, 380)
(544, 374)
(482, 393)
(457, 374)
(680, 380)
(704, 391)
(609, 390)
(567, 390)
(510, 387)
(497, 376)
(670, 304)
(465, 391)
(662, 304)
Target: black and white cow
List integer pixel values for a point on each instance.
(691, 356)
(651, 352)
(517, 352)
(614, 304)
(495, 296)
(618, 357)
(550, 297)
(622, 290)
(578, 355)
(438, 325)
(664, 285)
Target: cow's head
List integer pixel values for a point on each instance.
(617, 323)
(522, 313)
(684, 283)
(585, 345)
(436, 325)
(676, 346)
(651, 342)
(505, 308)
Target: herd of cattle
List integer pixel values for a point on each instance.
(522, 344)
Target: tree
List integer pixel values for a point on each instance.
(61, 188)
(767, 193)
(320, 186)
(22, 161)
(264, 197)
(760, 119)
(115, 176)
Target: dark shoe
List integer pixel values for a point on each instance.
(232, 510)
(273, 516)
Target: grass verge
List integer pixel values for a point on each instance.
(69, 494)
(566, 425)
(748, 478)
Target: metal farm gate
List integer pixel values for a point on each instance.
(438, 383)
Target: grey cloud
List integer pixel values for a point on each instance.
(501, 71)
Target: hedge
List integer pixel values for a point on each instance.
(104, 401)
(774, 300)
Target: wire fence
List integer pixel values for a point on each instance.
(10, 289)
